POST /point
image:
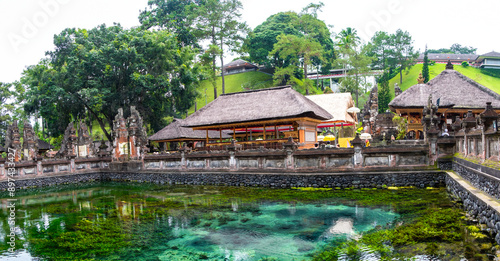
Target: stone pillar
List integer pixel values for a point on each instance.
(72, 167)
(289, 147)
(357, 158)
(39, 167)
(232, 155)
(183, 158)
(307, 134)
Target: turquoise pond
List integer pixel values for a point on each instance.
(117, 221)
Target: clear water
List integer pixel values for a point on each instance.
(150, 222)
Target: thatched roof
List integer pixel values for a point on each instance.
(448, 56)
(175, 131)
(259, 105)
(493, 54)
(454, 90)
(238, 63)
(336, 104)
(42, 145)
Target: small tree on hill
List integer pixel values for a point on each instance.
(384, 96)
(425, 67)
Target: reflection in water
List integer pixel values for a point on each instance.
(174, 223)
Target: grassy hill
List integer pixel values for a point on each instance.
(410, 77)
(236, 83)
(233, 83)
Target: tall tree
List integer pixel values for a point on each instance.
(299, 49)
(172, 15)
(380, 48)
(100, 70)
(403, 51)
(425, 66)
(358, 63)
(219, 22)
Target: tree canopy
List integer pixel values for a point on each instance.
(260, 43)
(95, 72)
(455, 48)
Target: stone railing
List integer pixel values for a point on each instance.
(47, 168)
(327, 160)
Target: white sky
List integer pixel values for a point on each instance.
(27, 27)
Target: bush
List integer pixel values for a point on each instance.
(431, 62)
(465, 64)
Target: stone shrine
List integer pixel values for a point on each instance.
(13, 141)
(30, 143)
(69, 143)
(85, 148)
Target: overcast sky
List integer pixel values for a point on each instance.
(27, 27)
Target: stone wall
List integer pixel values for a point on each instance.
(480, 207)
(483, 178)
(346, 180)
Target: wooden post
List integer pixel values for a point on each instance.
(264, 132)
(206, 144)
(276, 131)
(234, 133)
(246, 133)
(220, 135)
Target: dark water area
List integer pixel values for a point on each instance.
(137, 221)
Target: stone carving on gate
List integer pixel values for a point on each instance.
(13, 140)
(85, 148)
(129, 142)
(30, 143)
(69, 143)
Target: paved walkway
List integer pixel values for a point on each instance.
(487, 199)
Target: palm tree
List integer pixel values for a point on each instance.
(348, 40)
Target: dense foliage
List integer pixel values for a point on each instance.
(95, 72)
(425, 67)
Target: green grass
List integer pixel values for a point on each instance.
(410, 77)
(233, 83)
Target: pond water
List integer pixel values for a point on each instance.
(119, 221)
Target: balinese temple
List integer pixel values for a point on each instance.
(173, 136)
(337, 105)
(454, 94)
(281, 111)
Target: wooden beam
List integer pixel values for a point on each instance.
(220, 134)
(288, 121)
(234, 133)
(264, 131)
(207, 139)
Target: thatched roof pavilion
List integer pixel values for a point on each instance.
(278, 106)
(175, 132)
(452, 88)
(336, 104)
(456, 94)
